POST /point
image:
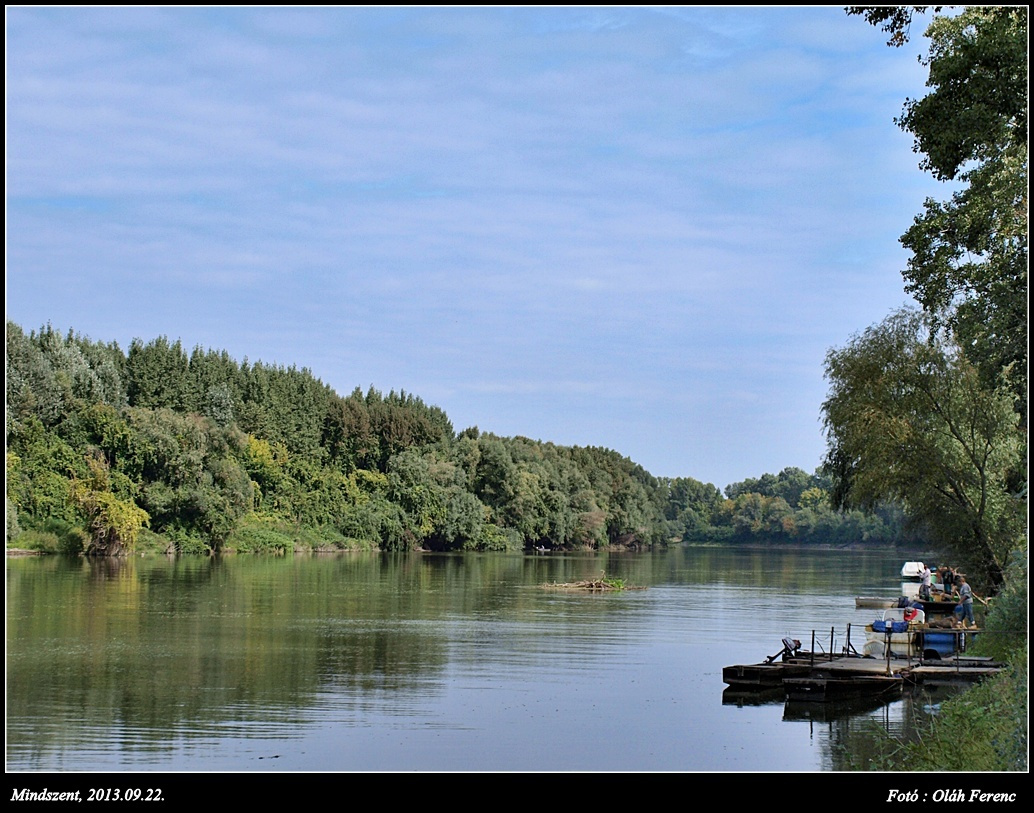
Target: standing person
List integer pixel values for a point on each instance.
(924, 583)
(965, 594)
(949, 579)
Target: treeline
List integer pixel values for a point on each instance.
(157, 446)
(793, 506)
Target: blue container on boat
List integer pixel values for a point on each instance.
(943, 643)
(880, 625)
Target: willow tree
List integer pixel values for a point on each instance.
(114, 523)
(909, 418)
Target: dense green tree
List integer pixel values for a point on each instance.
(40, 469)
(969, 254)
(107, 370)
(348, 434)
(365, 431)
(755, 515)
(114, 523)
(214, 386)
(907, 418)
(253, 414)
(494, 470)
(689, 506)
(402, 420)
(50, 376)
(789, 484)
(265, 458)
(463, 523)
(968, 264)
(631, 497)
(158, 375)
(297, 408)
(101, 427)
(379, 522)
(264, 464)
(192, 473)
(422, 497)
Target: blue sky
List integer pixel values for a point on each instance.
(624, 227)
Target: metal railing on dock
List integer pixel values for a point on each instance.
(916, 646)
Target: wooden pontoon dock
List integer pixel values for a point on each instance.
(830, 679)
(763, 675)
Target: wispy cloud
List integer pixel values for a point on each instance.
(529, 213)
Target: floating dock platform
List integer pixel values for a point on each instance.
(831, 679)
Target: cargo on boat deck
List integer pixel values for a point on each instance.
(895, 630)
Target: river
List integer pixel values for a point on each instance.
(431, 662)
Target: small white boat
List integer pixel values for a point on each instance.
(912, 571)
(896, 628)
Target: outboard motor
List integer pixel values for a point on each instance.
(789, 650)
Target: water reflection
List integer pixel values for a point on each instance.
(795, 710)
(420, 662)
(760, 697)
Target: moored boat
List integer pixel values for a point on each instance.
(939, 603)
(893, 633)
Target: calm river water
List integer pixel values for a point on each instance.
(430, 662)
